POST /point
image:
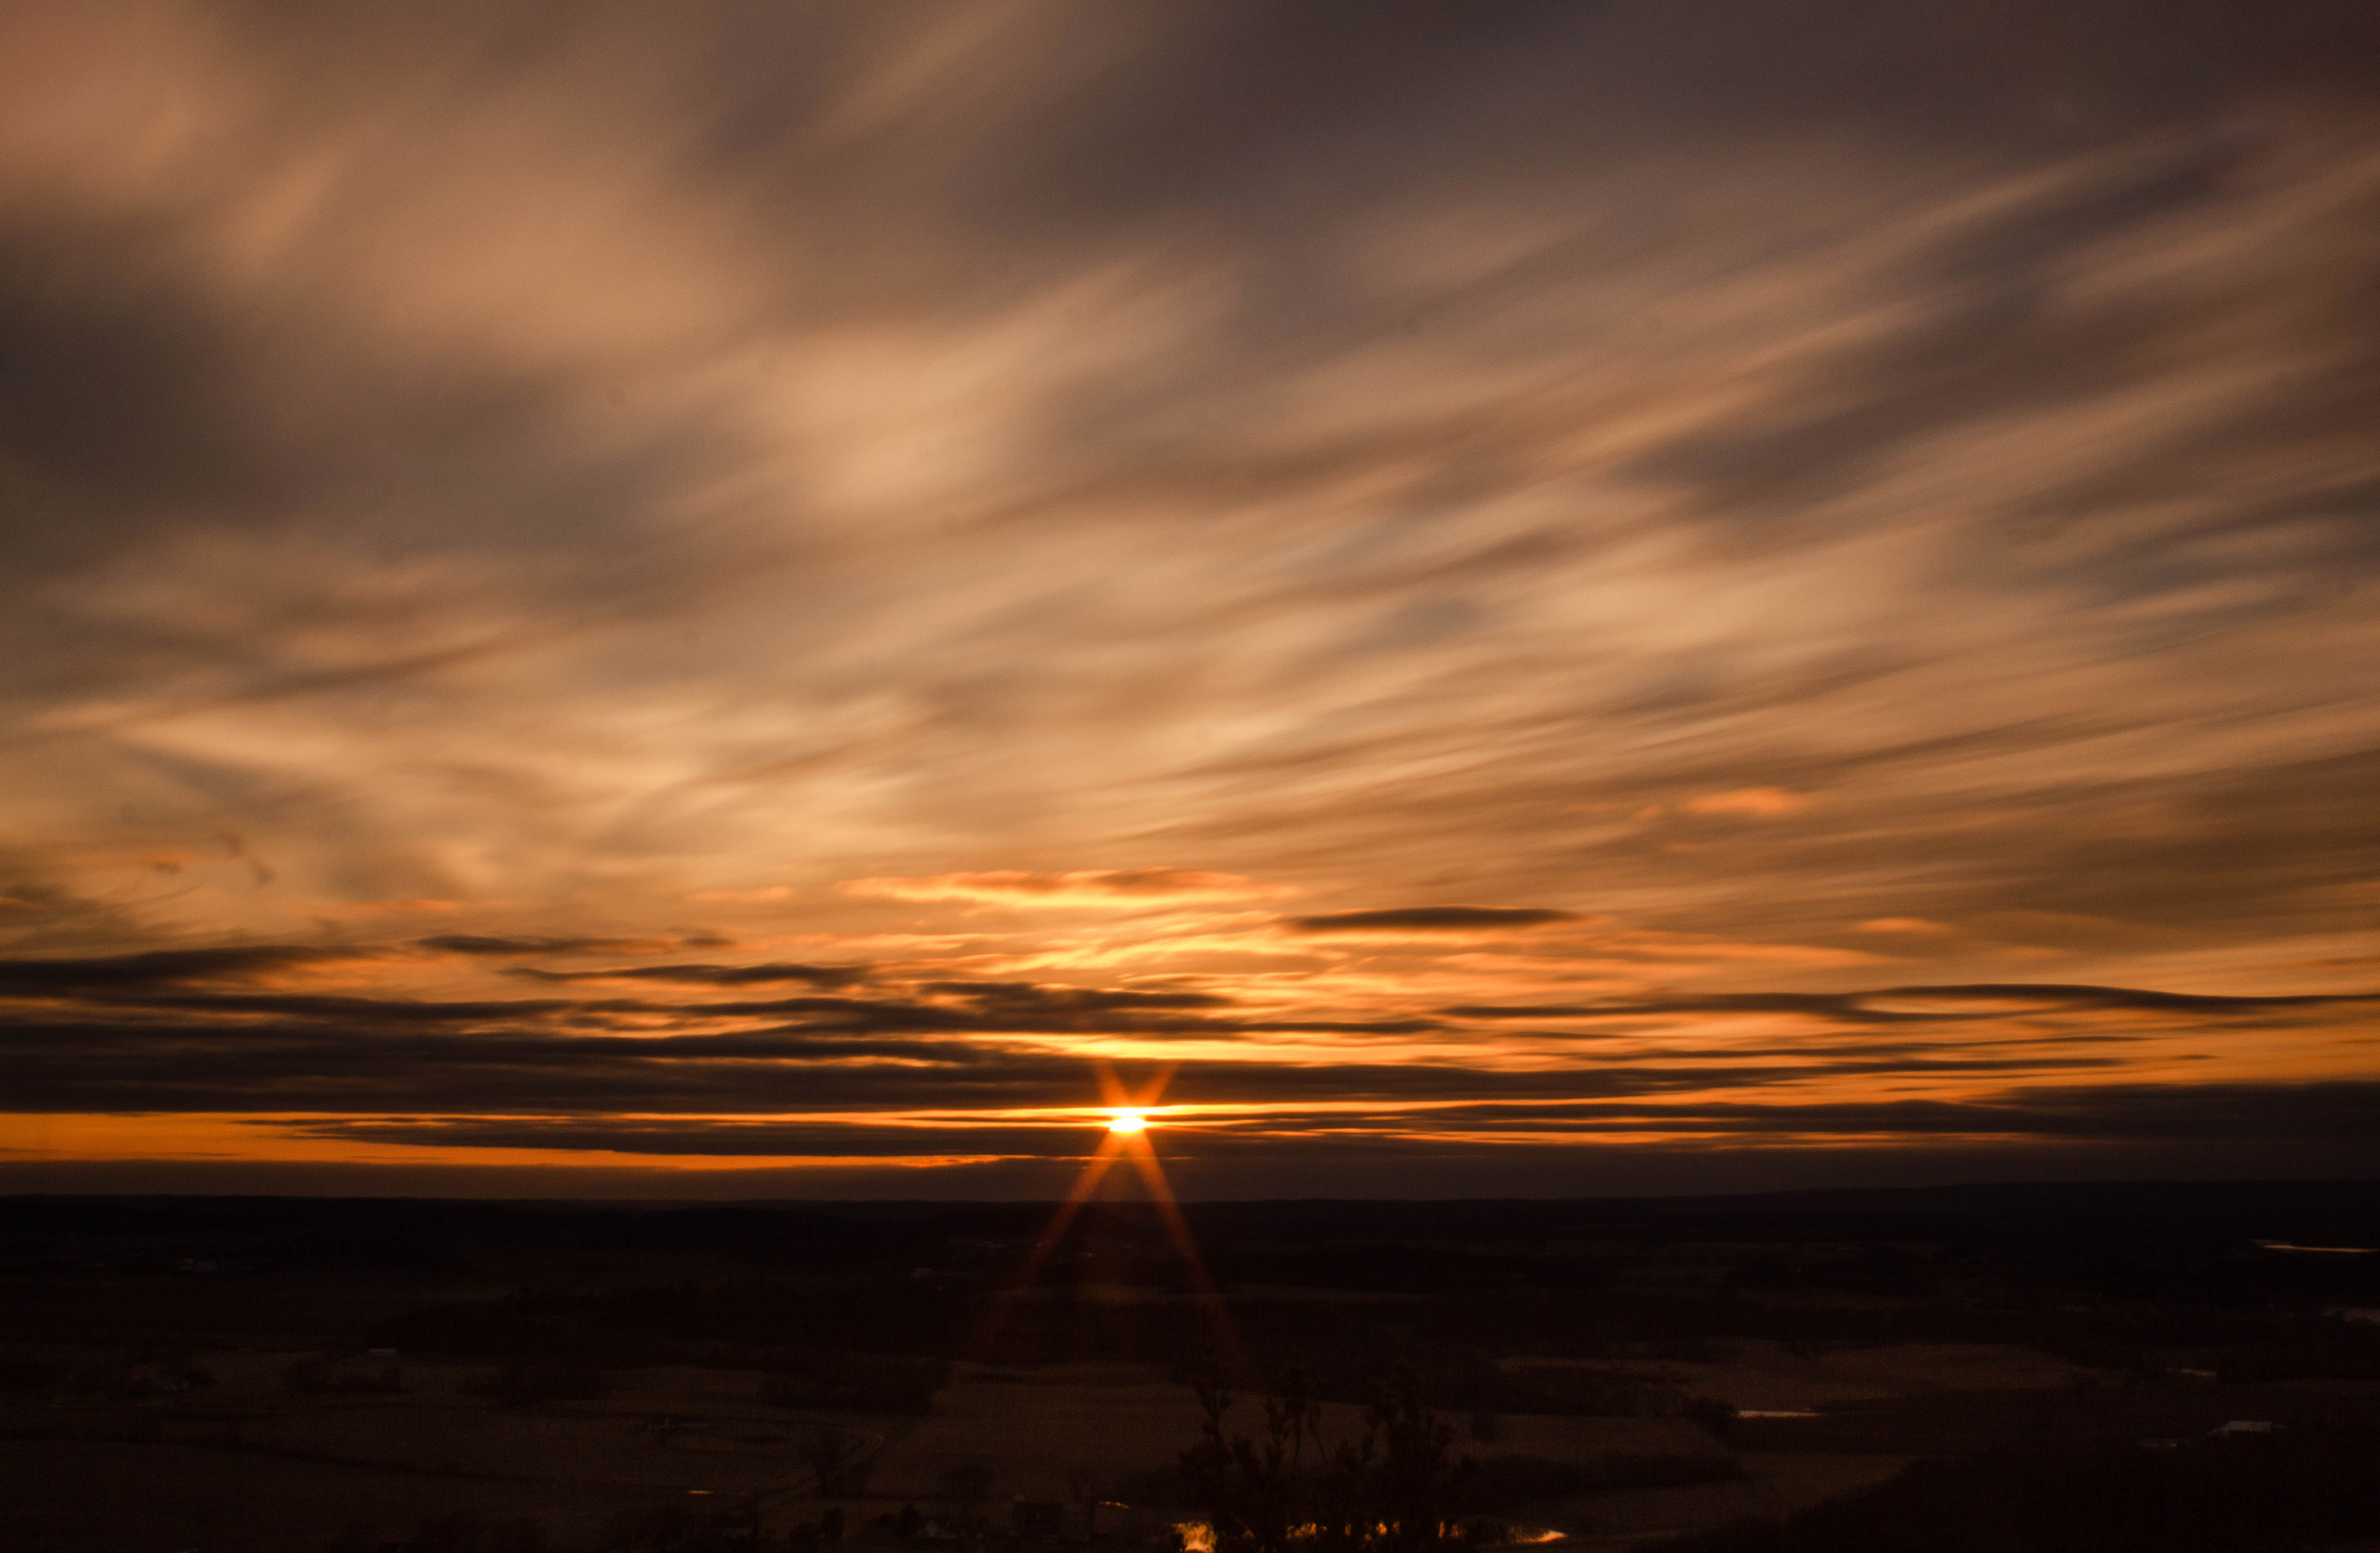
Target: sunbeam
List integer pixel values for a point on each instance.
(1185, 1245)
(1129, 1117)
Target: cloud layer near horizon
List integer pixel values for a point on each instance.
(1554, 578)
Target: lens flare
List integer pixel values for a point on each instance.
(1127, 1138)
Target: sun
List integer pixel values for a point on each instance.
(1128, 1122)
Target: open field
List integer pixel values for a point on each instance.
(1589, 1355)
(158, 1472)
(722, 1437)
(1774, 1484)
(134, 1497)
(311, 1470)
(326, 1463)
(1752, 1373)
(1032, 1428)
(1125, 1426)
(1966, 1422)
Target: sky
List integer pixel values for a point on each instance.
(744, 599)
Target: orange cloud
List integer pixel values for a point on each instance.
(1406, 922)
(1759, 803)
(1127, 887)
(958, 542)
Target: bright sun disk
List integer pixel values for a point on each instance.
(1128, 1121)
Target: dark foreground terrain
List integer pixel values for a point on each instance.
(2104, 1367)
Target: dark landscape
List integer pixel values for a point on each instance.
(2109, 1366)
(1189, 776)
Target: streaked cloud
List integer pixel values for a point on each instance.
(165, 968)
(483, 944)
(1802, 578)
(707, 975)
(1405, 920)
(1111, 886)
(1760, 803)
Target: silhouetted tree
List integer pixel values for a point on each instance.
(830, 1452)
(1390, 1489)
(965, 1486)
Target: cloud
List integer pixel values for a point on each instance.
(954, 1066)
(711, 1138)
(1847, 1007)
(1758, 803)
(535, 467)
(1125, 887)
(188, 1031)
(156, 968)
(837, 1060)
(707, 975)
(2205, 1112)
(2056, 995)
(1890, 1005)
(2103, 1113)
(482, 944)
(1402, 922)
(1032, 995)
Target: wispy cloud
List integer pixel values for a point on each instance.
(1759, 803)
(1000, 535)
(707, 975)
(1109, 887)
(880, 1065)
(515, 946)
(1406, 921)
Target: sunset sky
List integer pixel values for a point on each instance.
(681, 600)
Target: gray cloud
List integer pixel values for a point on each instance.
(1854, 1007)
(154, 969)
(1823, 503)
(166, 1041)
(2122, 1114)
(709, 975)
(483, 944)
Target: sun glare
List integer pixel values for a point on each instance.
(1128, 1121)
